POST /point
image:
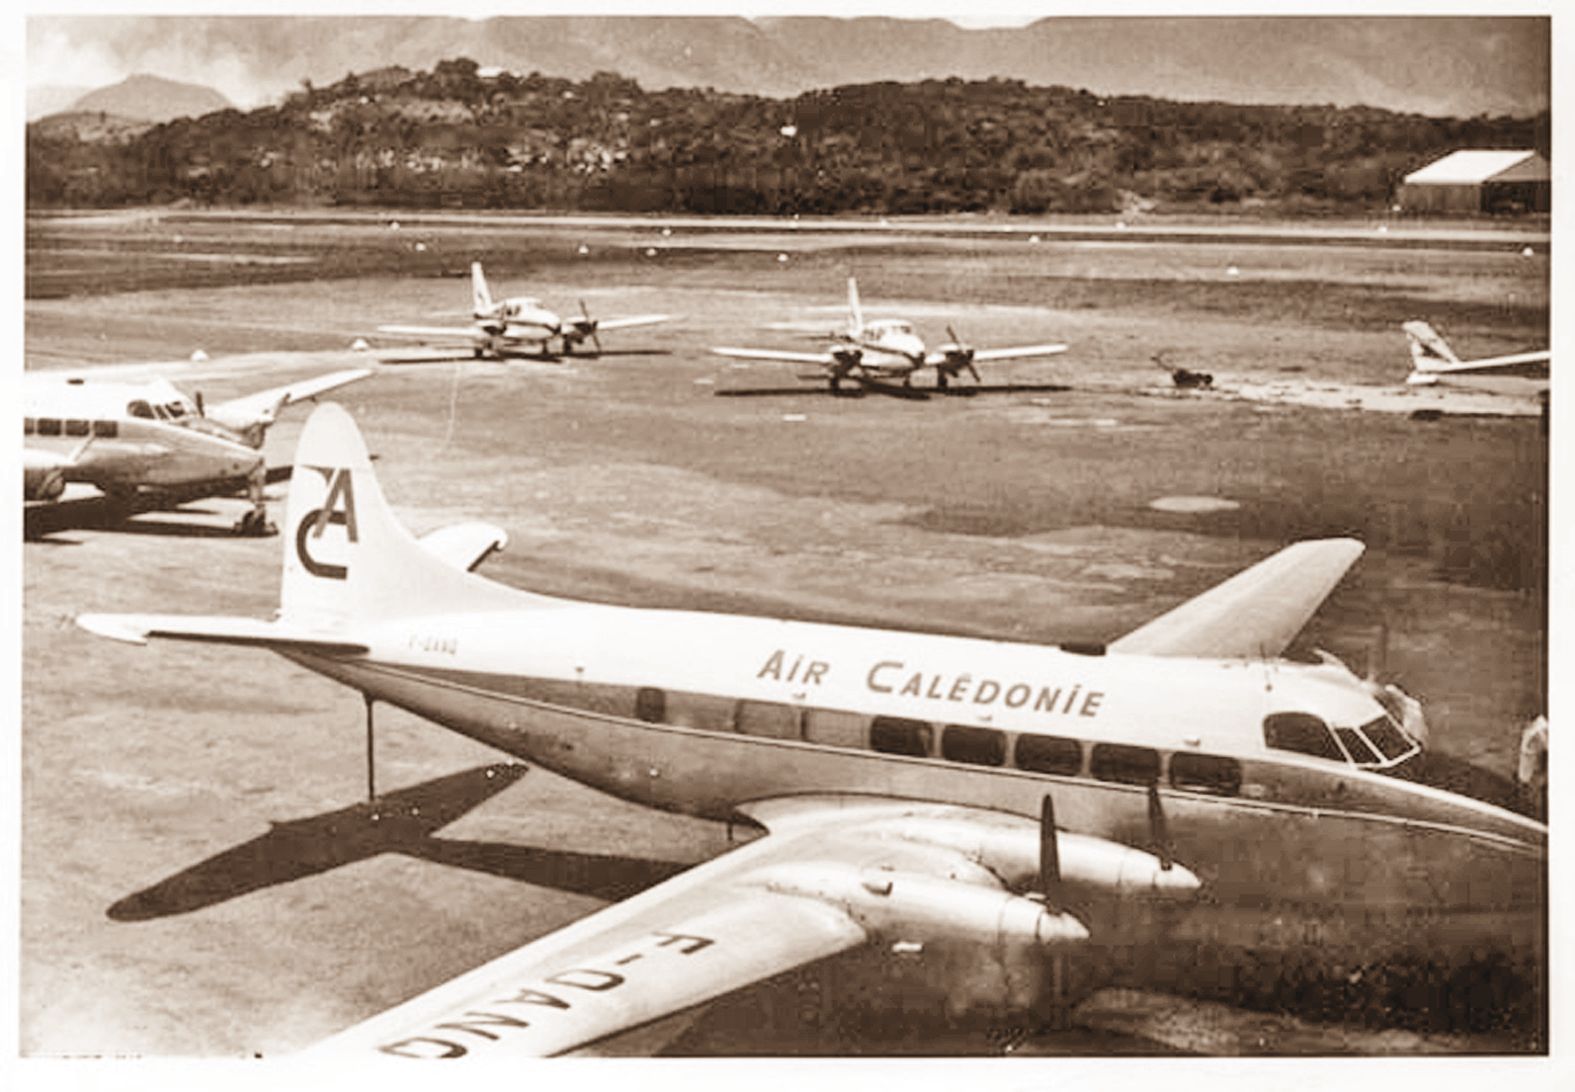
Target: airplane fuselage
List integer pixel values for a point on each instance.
(885, 353)
(120, 451)
(1312, 852)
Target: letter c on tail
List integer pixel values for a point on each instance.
(338, 508)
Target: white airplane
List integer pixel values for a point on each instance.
(126, 439)
(882, 350)
(506, 327)
(1433, 362)
(1007, 806)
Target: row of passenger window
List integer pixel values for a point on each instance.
(54, 426)
(967, 744)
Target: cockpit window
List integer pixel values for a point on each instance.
(175, 410)
(1301, 732)
(1389, 740)
(1362, 753)
(139, 408)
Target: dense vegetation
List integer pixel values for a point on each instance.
(452, 137)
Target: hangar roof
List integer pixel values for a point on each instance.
(1475, 165)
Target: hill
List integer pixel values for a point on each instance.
(454, 136)
(46, 99)
(1445, 66)
(152, 98)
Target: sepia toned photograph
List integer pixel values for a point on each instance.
(785, 535)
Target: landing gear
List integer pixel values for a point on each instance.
(255, 524)
(942, 380)
(371, 767)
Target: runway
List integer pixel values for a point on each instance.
(232, 898)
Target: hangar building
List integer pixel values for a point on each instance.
(1479, 180)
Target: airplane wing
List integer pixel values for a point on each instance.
(465, 545)
(833, 873)
(629, 322)
(137, 628)
(1257, 612)
(1491, 363)
(429, 333)
(262, 406)
(787, 356)
(985, 356)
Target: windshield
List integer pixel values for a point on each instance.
(1379, 742)
(1390, 741)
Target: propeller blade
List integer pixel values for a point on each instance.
(1049, 852)
(201, 410)
(1159, 828)
(596, 341)
(973, 371)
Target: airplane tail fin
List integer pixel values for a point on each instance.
(480, 296)
(347, 559)
(1430, 353)
(348, 562)
(855, 313)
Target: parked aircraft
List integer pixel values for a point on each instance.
(131, 438)
(882, 350)
(1433, 361)
(508, 327)
(1013, 805)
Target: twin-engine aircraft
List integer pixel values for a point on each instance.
(132, 439)
(881, 351)
(520, 324)
(1010, 807)
(1433, 362)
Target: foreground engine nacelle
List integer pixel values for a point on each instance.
(913, 907)
(1012, 852)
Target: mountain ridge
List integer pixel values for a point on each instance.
(1436, 65)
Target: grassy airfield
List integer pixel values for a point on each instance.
(660, 475)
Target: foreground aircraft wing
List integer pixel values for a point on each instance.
(985, 356)
(1256, 613)
(262, 406)
(833, 873)
(629, 322)
(786, 356)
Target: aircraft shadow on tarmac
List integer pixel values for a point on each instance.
(397, 822)
(912, 394)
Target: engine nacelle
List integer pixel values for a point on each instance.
(44, 483)
(1011, 851)
(906, 906)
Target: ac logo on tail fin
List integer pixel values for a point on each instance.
(338, 508)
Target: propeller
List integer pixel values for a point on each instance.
(201, 410)
(1049, 852)
(1159, 828)
(587, 326)
(959, 357)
